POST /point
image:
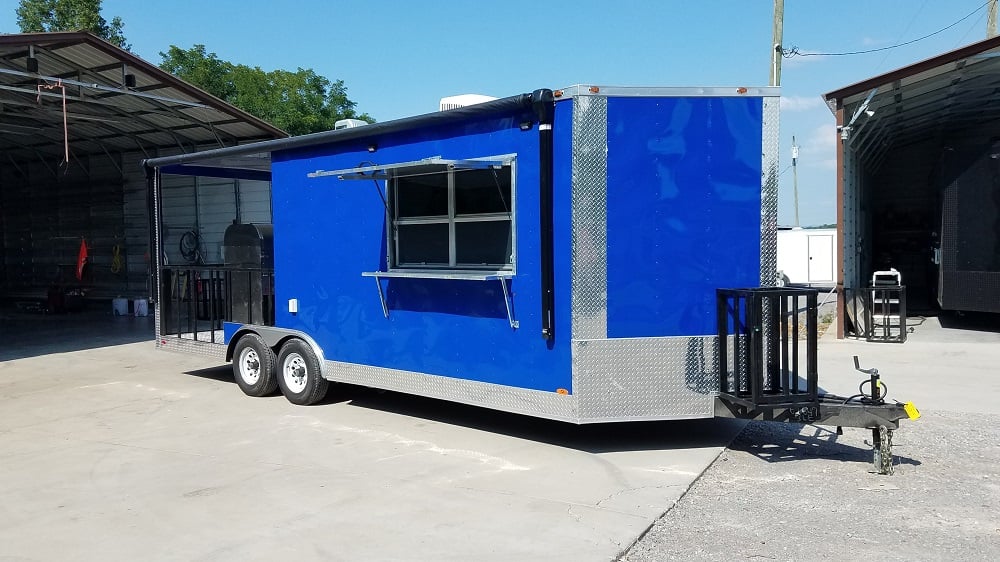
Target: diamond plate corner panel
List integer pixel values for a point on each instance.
(589, 269)
(769, 194)
(494, 396)
(646, 378)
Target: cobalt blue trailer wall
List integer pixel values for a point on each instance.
(332, 230)
(683, 208)
(660, 197)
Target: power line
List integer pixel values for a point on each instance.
(902, 33)
(794, 51)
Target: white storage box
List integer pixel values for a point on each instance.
(119, 307)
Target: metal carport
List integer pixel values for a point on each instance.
(77, 116)
(918, 187)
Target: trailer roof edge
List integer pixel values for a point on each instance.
(259, 149)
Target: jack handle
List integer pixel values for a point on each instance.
(877, 394)
(857, 367)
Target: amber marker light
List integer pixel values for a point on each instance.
(562, 391)
(594, 89)
(741, 90)
(557, 94)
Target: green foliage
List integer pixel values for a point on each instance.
(299, 102)
(70, 15)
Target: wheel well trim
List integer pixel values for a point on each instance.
(275, 338)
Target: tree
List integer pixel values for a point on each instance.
(298, 102)
(70, 15)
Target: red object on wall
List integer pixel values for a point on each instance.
(81, 260)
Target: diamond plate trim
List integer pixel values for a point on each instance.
(589, 269)
(769, 194)
(191, 347)
(157, 257)
(494, 396)
(627, 379)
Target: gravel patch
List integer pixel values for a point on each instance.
(794, 492)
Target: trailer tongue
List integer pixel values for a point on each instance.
(766, 337)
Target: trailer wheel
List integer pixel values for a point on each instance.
(299, 374)
(253, 366)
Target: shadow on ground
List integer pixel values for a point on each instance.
(775, 443)
(593, 438)
(30, 334)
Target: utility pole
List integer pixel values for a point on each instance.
(776, 39)
(795, 179)
(991, 20)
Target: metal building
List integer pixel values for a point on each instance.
(77, 115)
(918, 181)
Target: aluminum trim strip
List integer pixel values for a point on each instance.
(589, 184)
(536, 403)
(579, 90)
(192, 347)
(769, 193)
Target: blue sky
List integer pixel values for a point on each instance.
(398, 57)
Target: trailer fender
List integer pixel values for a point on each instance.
(275, 338)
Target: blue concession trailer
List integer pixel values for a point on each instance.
(558, 254)
(555, 254)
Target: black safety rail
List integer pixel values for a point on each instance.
(196, 300)
(885, 315)
(767, 342)
(878, 313)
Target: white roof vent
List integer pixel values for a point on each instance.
(348, 123)
(454, 102)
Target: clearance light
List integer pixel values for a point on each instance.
(562, 391)
(594, 89)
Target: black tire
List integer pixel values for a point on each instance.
(299, 374)
(254, 366)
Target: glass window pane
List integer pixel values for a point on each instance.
(480, 191)
(422, 196)
(422, 244)
(482, 243)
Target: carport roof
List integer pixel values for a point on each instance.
(105, 111)
(951, 91)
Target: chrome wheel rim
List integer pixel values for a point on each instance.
(249, 363)
(295, 372)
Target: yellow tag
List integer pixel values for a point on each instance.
(911, 411)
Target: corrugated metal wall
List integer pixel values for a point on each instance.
(48, 211)
(45, 212)
(207, 206)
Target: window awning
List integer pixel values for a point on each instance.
(433, 165)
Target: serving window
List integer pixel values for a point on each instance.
(457, 216)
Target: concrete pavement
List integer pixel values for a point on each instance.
(948, 363)
(126, 453)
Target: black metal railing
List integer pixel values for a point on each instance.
(196, 300)
(877, 314)
(767, 342)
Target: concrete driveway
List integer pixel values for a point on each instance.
(126, 453)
